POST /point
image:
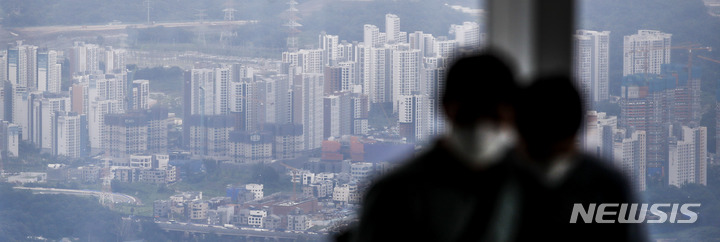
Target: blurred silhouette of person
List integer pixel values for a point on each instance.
(559, 175)
(460, 188)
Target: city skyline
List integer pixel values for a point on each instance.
(325, 115)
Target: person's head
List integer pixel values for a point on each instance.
(548, 117)
(479, 89)
(478, 103)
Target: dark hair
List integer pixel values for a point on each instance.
(550, 111)
(478, 84)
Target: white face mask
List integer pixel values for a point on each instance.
(482, 144)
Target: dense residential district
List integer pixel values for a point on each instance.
(289, 144)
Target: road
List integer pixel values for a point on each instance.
(244, 232)
(117, 197)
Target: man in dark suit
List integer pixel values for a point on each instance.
(558, 175)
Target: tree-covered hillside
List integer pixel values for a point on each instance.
(54, 217)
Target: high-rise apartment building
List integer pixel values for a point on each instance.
(434, 85)
(140, 94)
(467, 35)
(348, 75)
(329, 45)
(27, 67)
(96, 119)
(406, 78)
(629, 156)
(359, 106)
(688, 156)
(245, 103)
(377, 82)
(202, 101)
(22, 65)
(333, 79)
(221, 91)
(423, 42)
(115, 60)
(333, 115)
(289, 140)
(85, 58)
(345, 114)
(446, 48)
(48, 72)
(67, 134)
(9, 139)
(392, 28)
(250, 147)
(3, 65)
(21, 101)
(135, 132)
(591, 58)
(371, 36)
(308, 103)
(413, 117)
(43, 117)
(209, 134)
(645, 52)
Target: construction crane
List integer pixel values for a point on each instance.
(708, 59)
(689, 48)
(294, 171)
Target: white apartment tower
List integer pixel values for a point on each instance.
(201, 92)
(435, 84)
(445, 48)
(329, 45)
(371, 36)
(309, 61)
(141, 94)
(66, 134)
(392, 28)
(48, 72)
(28, 66)
(406, 65)
(598, 134)
(377, 75)
(311, 93)
(346, 51)
(423, 42)
(630, 158)
(687, 159)
(347, 75)
(312, 61)
(21, 102)
(243, 100)
(413, 117)
(9, 139)
(85, 58)
(591, 56)
(22, 65)
(12, 62)
(42, 131)
(467, 34)
(114, 60)
(220, 89)
(332, 115)
(96, 119)
(645, 52)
